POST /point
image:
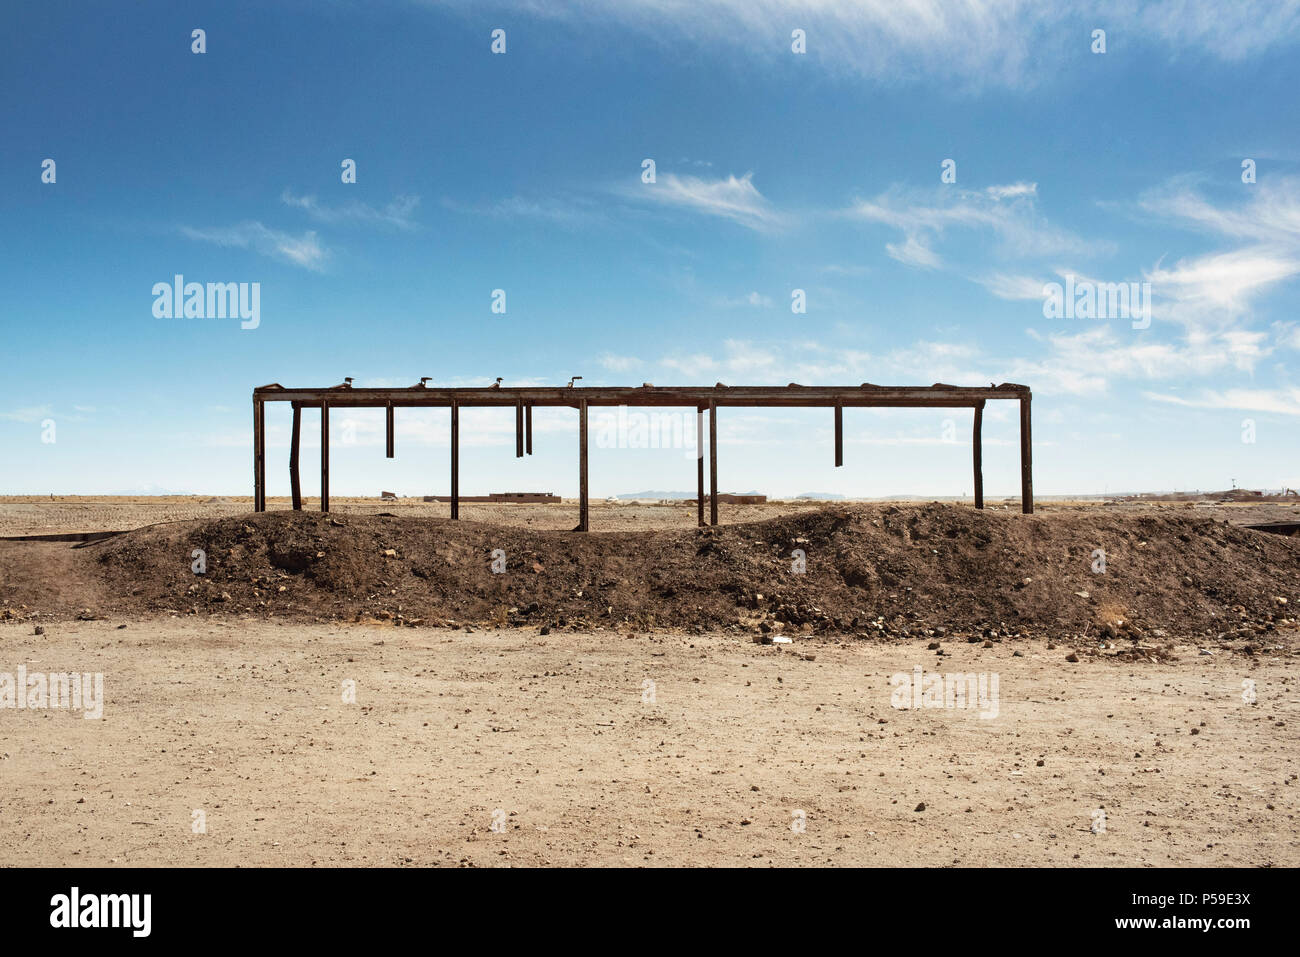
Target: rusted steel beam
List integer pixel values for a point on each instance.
(583, 523)
(1026, 458)
(839, 434)
(295, 441)
(259, 456)
(682, 401)
(519, 428)
(388, 428)
(455, 460)
(528, 428)
(699, 465)
(977, 452)
(325, 457)
(713, 463)
(749, 396)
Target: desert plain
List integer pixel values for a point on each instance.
(651, 694)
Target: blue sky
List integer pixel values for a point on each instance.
(775, 171)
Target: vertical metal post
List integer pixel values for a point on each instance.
(528, 428)
(839, 435)
(977, 449)
(259, 456)
(519, 428)
(455, 459)
(713, 462)
(324, 456)
(388, 415)
(699, 465)
(583, 523)
(295, 441)
(1026, 459)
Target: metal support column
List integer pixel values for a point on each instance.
(1026, 459)
(839, 435)
(699, 465)
(519, 429)
(324, 456)
(259, 456)
(295, 442)
(455, 459)
(583, 523)
(713, 463)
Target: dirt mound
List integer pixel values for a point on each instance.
(906, 572)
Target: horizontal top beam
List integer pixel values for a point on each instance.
(938, 395)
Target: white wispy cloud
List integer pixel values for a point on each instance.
(1280, 401)
(740, 360)
(913, 252)
(39, 413)
(28, 414)
(1229, 32)
(1087, 363)
(1209, 298)
(616, 363)
(567, 211)
(809, 363)
(1287, 335)
(975, 42)
(1010, 213)
(1219, 284)
(1012, 190)
(753, 299)
(732, 198)
(1012, 287)
(1265, 212)
(303, 250)
(396, 213)
(1218, 288)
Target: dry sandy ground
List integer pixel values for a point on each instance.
(38, 515)
(28, 515)
(245, 721)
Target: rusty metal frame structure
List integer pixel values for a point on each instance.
(703, 399)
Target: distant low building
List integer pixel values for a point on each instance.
(529, 498)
